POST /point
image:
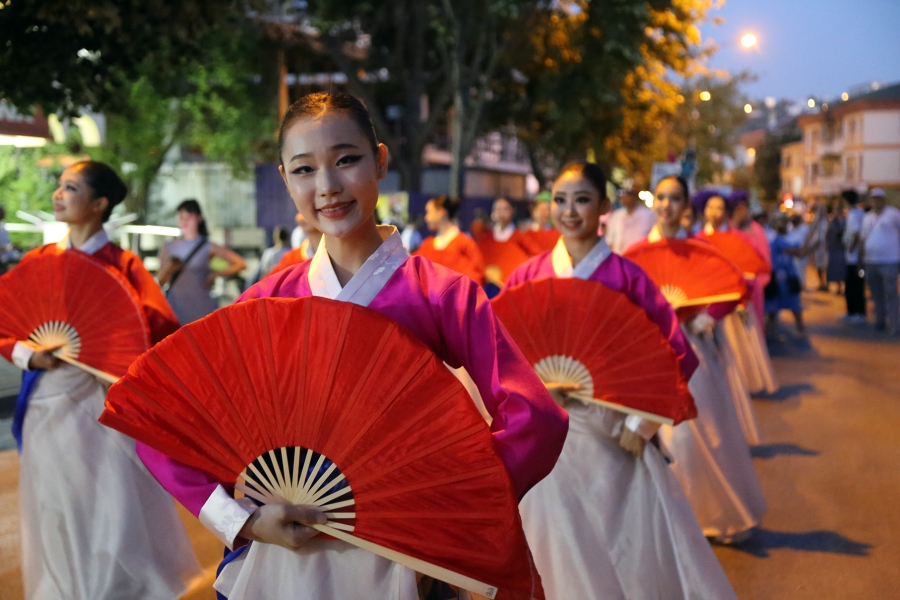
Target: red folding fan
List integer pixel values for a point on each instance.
(502, 256)
(583, 333)
(689, 272)
(543, 239)
(76, 302)
(320, 402)
(739, 250)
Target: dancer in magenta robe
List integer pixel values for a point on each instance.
(332, 163)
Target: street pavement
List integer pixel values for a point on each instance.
(828, 467)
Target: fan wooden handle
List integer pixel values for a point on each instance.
(730, 297)
(416, 564)
(624, 409)
(101, 375)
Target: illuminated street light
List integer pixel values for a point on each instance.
(705, 96)
(811, 103)
(845, 96)
(749, 40)
(748, 109)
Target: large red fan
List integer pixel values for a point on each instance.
(75, 302)
(739, 250)
(583, 333)
(543, 239)
(689, 273)
(319, 402)
(500, 256)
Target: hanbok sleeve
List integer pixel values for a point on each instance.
(529, 428)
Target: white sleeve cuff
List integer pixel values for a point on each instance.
(225, 516)
(644, 428)
(21, 356)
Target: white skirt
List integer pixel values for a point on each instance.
(322, 569)
(734, 350)
(95, 524)
(605, 525)
(759, 352)
(712, 459)
(748, 342)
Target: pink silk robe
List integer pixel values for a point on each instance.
(451, 314)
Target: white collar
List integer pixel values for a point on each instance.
(371, 277)
(90, 246)
(442, 240)
(562, 262)
(502, 234)
(656, 236)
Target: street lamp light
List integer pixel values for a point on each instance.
(705, 96)
(748, 40)
(748, 108)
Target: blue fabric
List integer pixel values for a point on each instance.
(783, 270)
(29, 380)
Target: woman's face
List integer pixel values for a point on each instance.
(434, 215)
(502, 212)
(715, 211)
(577, 206)
(74, 201)
(331, 172)
(669, 204)
(189, 223)
(541, 214)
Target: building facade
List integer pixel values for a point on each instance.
(852, 144)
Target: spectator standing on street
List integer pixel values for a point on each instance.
(632, 222)
(5, 243)
(819, 232)
(834, 241)
(184, 265)
(272, 256)
(855, 282)
(881, 255)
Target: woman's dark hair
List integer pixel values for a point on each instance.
(320, 103)
(192, 207)
(851, 196)
(451, 205)
(105, 183)
(280, 234)
(590, 171)
(681, 181)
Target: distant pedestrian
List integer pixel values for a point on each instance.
(881, 255)
(6, 246)
(834, 242)
(783, 291)
(819, 233)
(184, 265)
(632, 222)
(854, 282)
(272, 256)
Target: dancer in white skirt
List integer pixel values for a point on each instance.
(95, 524)
(611, 521)
(712, 458)
(730, 333)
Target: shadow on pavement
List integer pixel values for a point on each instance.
(786, 392)
(764, 540)
(773, 450)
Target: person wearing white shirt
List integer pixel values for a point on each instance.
(855, 283)
(631, 223)
(880, 235)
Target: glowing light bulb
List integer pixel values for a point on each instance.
(748, 40)
(845, 96)
(748, 109)
(811, 103)
(705, 96)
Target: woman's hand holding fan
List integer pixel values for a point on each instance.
(334, 408)
(286, 525)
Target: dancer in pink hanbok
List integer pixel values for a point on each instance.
(712, 458)
(331, 164)
(611, 521)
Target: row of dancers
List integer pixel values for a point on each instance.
(605, 514)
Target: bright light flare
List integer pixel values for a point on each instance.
(748, 40)
(845, 96)
(811, 103)
(748, 108)
(646, 197)
(705, 96)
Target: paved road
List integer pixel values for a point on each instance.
(828, 467)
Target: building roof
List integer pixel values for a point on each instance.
(884, 98)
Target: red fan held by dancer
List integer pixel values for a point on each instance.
(581, 333)
(329, 404)
(735, 246)
(75, 303)
(690, 274)
(500, 259)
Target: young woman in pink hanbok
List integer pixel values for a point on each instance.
(611, 521)
(331, 165)
(731, 334)
(712, 458)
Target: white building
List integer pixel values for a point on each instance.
(852, 144)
